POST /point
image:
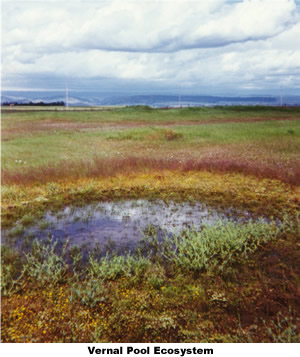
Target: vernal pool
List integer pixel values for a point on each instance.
(120, 225)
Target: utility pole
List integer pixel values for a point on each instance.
(281, 96)
(67, 96)
(179, 98)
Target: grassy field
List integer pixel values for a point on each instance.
(250, 140)
(230, 282)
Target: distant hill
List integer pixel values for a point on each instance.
(94, 98)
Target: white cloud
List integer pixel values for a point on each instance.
(144, 26)
(188, 42)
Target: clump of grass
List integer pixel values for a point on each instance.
(215, 247)
(27, 220)
(89, 292)
(44, 265)
(164, 134)
(155, 281)
(170, 135)
(17, 231)
(11, 270)
(112, 268)
(43, 225)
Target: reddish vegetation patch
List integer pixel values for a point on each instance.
(112, 166)
(46, 126)
(275, 268)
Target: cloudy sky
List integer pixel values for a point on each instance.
(197, 46)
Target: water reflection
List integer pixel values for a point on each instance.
(120, 225)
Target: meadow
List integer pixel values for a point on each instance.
(231, 281)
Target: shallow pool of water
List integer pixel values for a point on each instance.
(120, 225)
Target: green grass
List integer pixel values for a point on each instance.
(147, 115)
(214, 133)
(53, 147)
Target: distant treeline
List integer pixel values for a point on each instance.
(56, 104)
